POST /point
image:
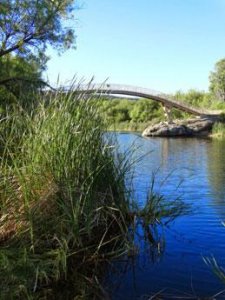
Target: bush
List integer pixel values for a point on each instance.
(192, 97)
(145, 110)
(200, 99)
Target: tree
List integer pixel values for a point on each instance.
(28, 26)
(18, 77)
(145, 110)
(217, 80)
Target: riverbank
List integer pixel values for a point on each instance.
(195, 127)
(128, 127)
(217, 131)
(64, 203)
(129, 115)
(66, 206)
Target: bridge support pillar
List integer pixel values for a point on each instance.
(167, 113)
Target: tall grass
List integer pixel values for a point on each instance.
(62, 195)
(64, 205)
(217, 269)
(218, 131)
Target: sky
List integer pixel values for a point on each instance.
(165, 45)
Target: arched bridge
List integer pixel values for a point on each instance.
(128, 90)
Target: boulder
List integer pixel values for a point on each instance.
(190, 127)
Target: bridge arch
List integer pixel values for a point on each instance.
(129, 90)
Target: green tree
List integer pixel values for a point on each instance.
(145, 110)
(192, 97)
(18, 78)
(29, 26)
(217, 80)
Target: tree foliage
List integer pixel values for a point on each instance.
(193, 97)
(217, 80)
(127, 110)
(145, 110)
(18, 77)
(28, 26)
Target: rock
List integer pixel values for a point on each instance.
(190, 127)
(199, 125)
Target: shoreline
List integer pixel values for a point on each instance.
(216, 132)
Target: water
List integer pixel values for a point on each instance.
(195, 170)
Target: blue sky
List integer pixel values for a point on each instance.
(166, 45)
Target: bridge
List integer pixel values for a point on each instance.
(128, 90)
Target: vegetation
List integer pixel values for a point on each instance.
(136, 115)
(219, 131)
(218, 270)
(130, 114)
(62, 196)
(19, 79)
(26, 29)
(217, 80)
(200, 99)
(64, 206)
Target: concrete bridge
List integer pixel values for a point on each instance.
(128, 90)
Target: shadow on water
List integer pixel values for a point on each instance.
(171, 264)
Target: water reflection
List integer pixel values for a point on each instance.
(148, 247)
(216, 175)
(197, 167)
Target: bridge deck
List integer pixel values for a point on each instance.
(112, 89)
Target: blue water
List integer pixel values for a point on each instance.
(193, 169)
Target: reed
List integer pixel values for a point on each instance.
(217, 269)
(65, 205)
(63, 196)
(218, 131)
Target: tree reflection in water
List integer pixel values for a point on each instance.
(216, 175)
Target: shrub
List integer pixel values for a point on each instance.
(145, 110)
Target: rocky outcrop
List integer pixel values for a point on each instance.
(190, 127)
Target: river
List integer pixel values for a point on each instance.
(194, 170)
